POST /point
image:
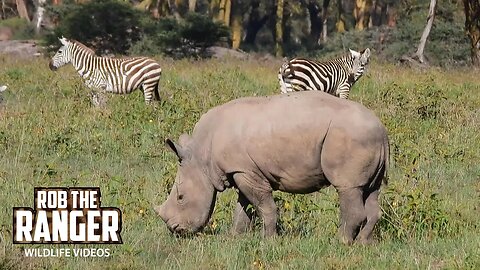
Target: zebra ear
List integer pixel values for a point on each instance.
(63, 40)
(366, 53)
(354, 54)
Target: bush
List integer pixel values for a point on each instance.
(415, 213)
(20, 27)
(447, 43)
(109, 26)
(189, 37)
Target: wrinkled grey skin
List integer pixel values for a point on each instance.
(298, 143)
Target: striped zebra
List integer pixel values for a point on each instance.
(114, 75)
(335, 76)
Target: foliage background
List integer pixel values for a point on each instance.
(128, 27)
(50, 135)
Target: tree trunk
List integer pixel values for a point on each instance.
(378, 13)
(472, 26)
(214, 8)
(192, 4)
(279, 29)
(221, 11)
(361, 13)
(172, 5)
(341, 24)
(426, 32)
(315, 21)
(391, 15)
(255, 22)
(228, 11)
(39, 15)
(3, 15)
(323, 36)
(22, 9)
(157, 10)
(237, 19)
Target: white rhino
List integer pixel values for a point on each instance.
(298, 143)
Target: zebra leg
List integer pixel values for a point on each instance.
(343, 91)
(150, 92)
(344, 95)
(281, 81)
(156, 92)
(98, 99)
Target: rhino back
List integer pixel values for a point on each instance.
(281, 137)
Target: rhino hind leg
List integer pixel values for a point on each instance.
(244, 215)
(261, 198)
(352, 213)
(373, 212)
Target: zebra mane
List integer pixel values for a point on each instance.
(84, 47)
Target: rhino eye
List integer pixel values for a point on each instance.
(180, 197)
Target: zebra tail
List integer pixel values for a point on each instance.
(287, 66)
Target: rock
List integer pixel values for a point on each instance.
(20, 48)
(222, 52)
(6, 33)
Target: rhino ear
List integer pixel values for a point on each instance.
(184, 139)
(177, 149)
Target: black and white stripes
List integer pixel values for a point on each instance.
(335, 76)
(115, 75)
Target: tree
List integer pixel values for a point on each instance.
(39, 14)
(344, 8)
(323, 36)
(22, 9)
(279, 28)
(361, 13)
(472, 26)
(224, 10)
(318, 20)
(256, 20)
(192, 4)
(236, 21)
(423, 40)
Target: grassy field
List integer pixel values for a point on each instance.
(50, 135)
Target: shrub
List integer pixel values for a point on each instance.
(189, 37)
(447, 43)
(20, 27)
(414, 213)
(109, 26)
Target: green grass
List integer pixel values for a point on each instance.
(51, 136)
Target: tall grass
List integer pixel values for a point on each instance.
(50, 135)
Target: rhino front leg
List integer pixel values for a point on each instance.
(260, 195)
(244, 215)
(352, 213)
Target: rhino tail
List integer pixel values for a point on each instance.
(381, 173)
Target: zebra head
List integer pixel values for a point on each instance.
(360, 61)
(63, 55)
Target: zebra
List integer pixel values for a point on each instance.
(114, 75)
(335, 76)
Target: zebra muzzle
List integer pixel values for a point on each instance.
(51, 66)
